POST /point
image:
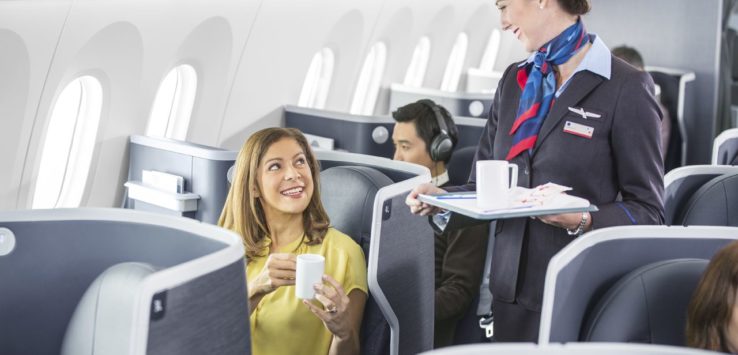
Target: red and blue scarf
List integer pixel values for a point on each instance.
(538, 82)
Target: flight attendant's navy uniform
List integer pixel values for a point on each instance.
(600, 137)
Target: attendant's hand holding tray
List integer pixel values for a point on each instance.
(545, 199)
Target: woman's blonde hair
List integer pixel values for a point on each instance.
(712, 304)
(243, 212)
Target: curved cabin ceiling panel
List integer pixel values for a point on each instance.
(111, 54)
(27, 51)
(283, 41)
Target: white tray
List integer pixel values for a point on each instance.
(466, 203)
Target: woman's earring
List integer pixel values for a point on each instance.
(540, 6)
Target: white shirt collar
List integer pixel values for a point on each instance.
(597, 60)
(440, 180)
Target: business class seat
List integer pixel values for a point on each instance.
(117, 281)
(104, 319)
(714, 204)
(647, 305)
(677, 95)
(681, 183)
(579, 276)
(367, 204)
(725, 148)
(348, 194)
(567, 349)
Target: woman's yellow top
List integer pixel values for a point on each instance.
(281, 324)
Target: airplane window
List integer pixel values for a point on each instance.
(490, 53)
(170, 114)
(367, 88)
(416, 71)
(69, 144)
(455, 64)
(318, 80)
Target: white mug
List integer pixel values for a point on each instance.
(310, 268)
(495, 181)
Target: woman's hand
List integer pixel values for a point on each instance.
(422, 208)
(335, 311)
(567, 220)
(278, 271)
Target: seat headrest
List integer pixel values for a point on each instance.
(647, 305)
(714, 204)
(460, 165)
(103, 321)
(348, 196)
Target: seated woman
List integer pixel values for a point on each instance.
(274, 204)
(712, 317)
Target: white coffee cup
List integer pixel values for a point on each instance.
(310, 268)
(495, 181)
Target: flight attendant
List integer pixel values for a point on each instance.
(571, 114)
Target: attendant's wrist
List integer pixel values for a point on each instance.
(582, 226)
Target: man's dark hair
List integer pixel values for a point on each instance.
(630, 55)
(426, 123)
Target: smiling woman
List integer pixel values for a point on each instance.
(274, 204)
(573, 115)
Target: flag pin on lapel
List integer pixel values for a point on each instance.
(578, 129)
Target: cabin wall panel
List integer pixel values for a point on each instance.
(27, 51)
(681, 34)
(283, 41)
(131, 64)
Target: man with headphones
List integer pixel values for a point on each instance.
(425, 134)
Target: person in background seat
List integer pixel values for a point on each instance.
(712, 316)
(425, 134)
(631, 56)
(274, 204)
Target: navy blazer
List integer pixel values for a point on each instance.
(619, 169)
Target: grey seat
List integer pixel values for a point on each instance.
(681, 183)
(675, 96)
(580, 275)
(104, 319)
(460, 165)
(648, 305)
(401, 283)
(348, 194)
(567, 349)
(714, 204)
(60, 270)
(725, 148)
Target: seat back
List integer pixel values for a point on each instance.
(194, 305)
(677, 97)
(367, 205)
(567, 349)
(401, 275)
(580, 274)
(647, 305)
(203, 171)
(460, 165)
(725, 148)
(714, 204)
(348, 194)
(401, 248)
(104, 319)
(681, 183)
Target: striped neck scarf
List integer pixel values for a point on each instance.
(538, 82)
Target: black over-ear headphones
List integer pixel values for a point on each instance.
(441, 145)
